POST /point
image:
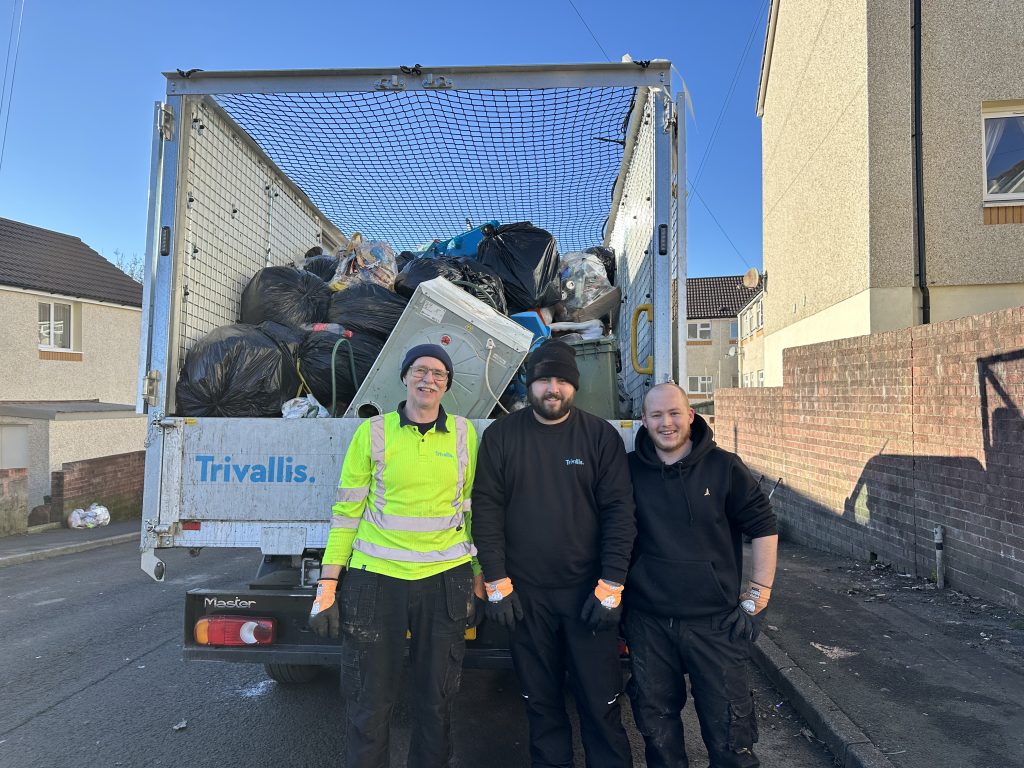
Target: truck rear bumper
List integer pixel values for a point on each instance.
(295, 642)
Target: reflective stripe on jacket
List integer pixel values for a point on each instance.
(403, 501)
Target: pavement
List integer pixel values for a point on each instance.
(887, 671)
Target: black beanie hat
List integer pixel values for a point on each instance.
(428, 350)
(553, 358)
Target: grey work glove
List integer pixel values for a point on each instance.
(743, 624)
(324, 616)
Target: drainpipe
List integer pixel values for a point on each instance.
(919, 245)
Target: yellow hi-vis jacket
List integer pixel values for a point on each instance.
(403, 503)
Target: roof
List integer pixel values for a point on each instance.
(714, 297)
(42, 260)
(62, 410)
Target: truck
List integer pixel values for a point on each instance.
(251, 168)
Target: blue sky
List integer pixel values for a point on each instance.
(78, 137)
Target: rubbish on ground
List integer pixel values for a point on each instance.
(180, 726)
(834, 652)
(94, 517)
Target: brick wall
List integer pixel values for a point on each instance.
(13, 501)
(113, 481)
(880, 438)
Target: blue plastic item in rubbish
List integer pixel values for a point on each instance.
(532, 321)
(463, 244)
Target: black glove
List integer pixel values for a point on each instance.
(477, 612)
(324, 616)
(599, 617)
(743, 624)
(505, 612)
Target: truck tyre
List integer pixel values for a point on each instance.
(292, 674)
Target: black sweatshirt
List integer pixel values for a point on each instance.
(691, 517)
(552, 503)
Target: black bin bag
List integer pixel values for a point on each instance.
(322, 266)
(352, 362)
(525, 257)
(367, 309)
(241, 371)
(285, 295)
(470, 275)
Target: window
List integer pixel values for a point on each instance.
(55, 325)
(735, 379)
(760, 317)
(733, 330)
(746, 379)
(760, 378)
(1004, 155)
(699, 331)
(700, 385)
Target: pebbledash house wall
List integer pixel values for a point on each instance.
(880, 438)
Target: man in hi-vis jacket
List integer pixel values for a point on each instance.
(400, 533)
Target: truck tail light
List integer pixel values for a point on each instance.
(234, 630)
(191, 525)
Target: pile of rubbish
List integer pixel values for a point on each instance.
(309, 335)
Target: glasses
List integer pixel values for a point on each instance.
(420, 372)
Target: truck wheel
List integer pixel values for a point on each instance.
(292, 674)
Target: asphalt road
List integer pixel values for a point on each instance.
(91, 675)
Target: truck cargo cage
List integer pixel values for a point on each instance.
(252, 169)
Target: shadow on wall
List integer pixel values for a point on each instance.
(901, 498)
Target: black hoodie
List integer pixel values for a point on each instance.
(691, 517)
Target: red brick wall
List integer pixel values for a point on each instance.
(113, 481)
(880, 438)
(13, 501)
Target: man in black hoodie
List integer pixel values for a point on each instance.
(553, 526)
(685, 614)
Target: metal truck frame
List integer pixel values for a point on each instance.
(221, 208)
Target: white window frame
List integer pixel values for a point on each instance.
(700, 385)
(759, 317)
(1003, 197)
(701, 326)
(760, 378)
(746, 379)
(72, 320)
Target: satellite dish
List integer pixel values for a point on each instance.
(751, 278)
(732, 351)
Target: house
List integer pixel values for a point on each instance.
(69, 339)
(712, 333)
(750, 355)
(866, 230)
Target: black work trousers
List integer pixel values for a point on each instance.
(550, 641)
(376, 613)
(664, 651)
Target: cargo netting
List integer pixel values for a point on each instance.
(411, 166)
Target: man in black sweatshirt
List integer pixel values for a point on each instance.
(553, 524)
(685, 614)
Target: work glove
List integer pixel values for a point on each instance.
(503, 606)
(478, 606)
(603, 607)
(745, 620)
(324, 616)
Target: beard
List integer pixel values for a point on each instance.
(550, 407)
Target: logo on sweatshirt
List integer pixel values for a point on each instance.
(577, 462)
(707, 491)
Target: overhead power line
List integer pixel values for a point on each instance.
(9, 93)
(609, 58)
